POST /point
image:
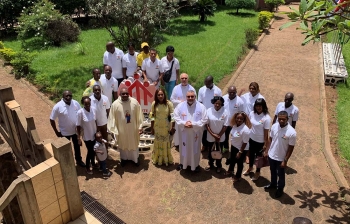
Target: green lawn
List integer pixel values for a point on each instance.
(343, 108)
(209, 48)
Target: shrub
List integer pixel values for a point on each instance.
(7, 54)
(273, 4)
(264, 19)
(251, 35)
(61, 30)
(21, 62)
(241, 4)
(1, 45)
(80, 49)
(204, 8)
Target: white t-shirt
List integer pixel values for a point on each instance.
(205, 95)
(100, 106)
(249, 101)
(216, 121)
(109, 86)
(260, 122)
(87, 120)
(293, 111)
(130, 63)
(167, 65)
(115, 61)
(102, 147)
(152, 69)
(179, 93)
(240, 135)
(67, 116)
(281, 139)
(233, 106)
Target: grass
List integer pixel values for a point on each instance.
(343, 108)
(210, 48)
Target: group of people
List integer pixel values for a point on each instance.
(210, 122)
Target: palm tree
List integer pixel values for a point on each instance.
(204, 8)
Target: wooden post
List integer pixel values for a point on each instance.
(6, 94)
(62, 151)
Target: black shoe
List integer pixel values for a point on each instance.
(279, 193)
(179, 167)
(137, 164)
(122, 162)
(81, 164)
(270, 186)
(197, 169)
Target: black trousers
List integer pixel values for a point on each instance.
(90, 157)
(277, 171)
(255, 150)
(76, 146)
(120, 81)
(211, 160)
(227, 137)
(234, 161)
(204, 138)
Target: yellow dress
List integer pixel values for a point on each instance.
(162, 145)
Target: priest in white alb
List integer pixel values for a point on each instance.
(179, 95)
(125, 122)
(191, 117)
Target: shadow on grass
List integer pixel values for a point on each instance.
(195, 176)
(278, 17)
(332, 200)
(181, 27)
(129, 167)
(243, 186)
(241, 14)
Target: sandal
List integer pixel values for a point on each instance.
(247, 172)
(207, 168)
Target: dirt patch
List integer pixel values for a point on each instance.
(332, 98)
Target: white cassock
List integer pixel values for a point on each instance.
(179, 95)
(124, 121)
(190, 138)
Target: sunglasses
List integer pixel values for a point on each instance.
(183, 78)
(191, 96)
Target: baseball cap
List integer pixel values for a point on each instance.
(144, 44)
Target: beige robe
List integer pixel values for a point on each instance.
(124, 121)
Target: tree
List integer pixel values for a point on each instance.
(136, 20)
(317, 18)
(68, 6)
(241, 4)
(273, 4)
(10, 10)
(204, 8)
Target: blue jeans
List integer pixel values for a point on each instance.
(103, 166)
(169, 88)
(277, 170)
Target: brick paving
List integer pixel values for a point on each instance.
(150, 194)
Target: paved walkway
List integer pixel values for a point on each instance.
(149, 194)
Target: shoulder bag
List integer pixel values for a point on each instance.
(167, 74)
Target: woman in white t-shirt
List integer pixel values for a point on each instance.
(218, 119)
(259, 134)
(239, 140)
(249, 98)
(86, 120)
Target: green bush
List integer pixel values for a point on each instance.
(264, 19)
(204, 8)
(251, 35)
(21, 62)
(273, 4)
(7, 54)
(241, 4)
(61, 30)
(1, 45)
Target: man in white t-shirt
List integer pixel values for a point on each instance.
(66, 112)
(205, 95)
(101, 104)
(169, 61)
(233, 104)
(130, 61)
(109, 85)
(292, 110)
(282, 138)
(113, 57)
(152, 69)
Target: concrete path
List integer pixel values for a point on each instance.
(150, 194)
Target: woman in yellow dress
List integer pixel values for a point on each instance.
(162, 126)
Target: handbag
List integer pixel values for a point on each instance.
(261, 161)
(216, 151)
(167, 74)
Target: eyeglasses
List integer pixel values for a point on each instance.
(191, 96)
(183, 78)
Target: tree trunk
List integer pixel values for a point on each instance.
(202, 17)
(237, 11)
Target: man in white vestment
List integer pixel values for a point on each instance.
(125, 122)
(179, 95)
(190, 116)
